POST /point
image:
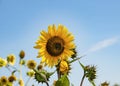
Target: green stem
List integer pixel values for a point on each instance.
(8, 68)
(12, 67)
(27, 81)
(82, 79)
(58, 73)
(47, 83)
(58, 70)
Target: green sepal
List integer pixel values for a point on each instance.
(92, 82)
(42, 76)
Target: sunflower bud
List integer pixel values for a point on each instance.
(104, 84)
(11, 59)
(3, 62)
(39, 67)
(64, 67)
(22, 62)
(22, 54)
(21, 82)
(90, 72)
(31, 73)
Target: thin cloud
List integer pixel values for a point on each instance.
(103, 44)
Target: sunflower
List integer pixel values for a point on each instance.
(31, 73)
(31, 64)
(21, 82)
(12, 78)
(104, 84)
(64, 67)
(55, 45)
(3, 62)
(3, 80)
(40, 67)
(11, 59)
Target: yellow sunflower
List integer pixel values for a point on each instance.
(11, 59)
(55, 45)
(64, 67)
(31, 73)
(3, 62)
(12, 78)
(3, 80)
(31, 64)
(21, 82)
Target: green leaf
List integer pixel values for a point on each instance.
(40, 77)
(92, 82)
(63, 81)
(74, 60)
(48, 74)
(82, 65)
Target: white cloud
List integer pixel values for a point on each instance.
(103, 44)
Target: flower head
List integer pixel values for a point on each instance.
(64, 67)
(3, 62)
(3, 80)
(12, 78)
(31, 73)
(21, 82)
(105, 84)
(22, 54)
(11, 59)
(40, 67)
(90, 72)
(31, 64)
(22, 62)
(55, 45)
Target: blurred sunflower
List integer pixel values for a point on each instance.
(11, 59)
(3, 62)
(3, 80)
(31, 73)
(31, 64)
(21, 82)
(55, 45)
(12, 78)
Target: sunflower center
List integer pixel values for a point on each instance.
(11, 79)
(4, 81)
(31, 64)
(55, 46)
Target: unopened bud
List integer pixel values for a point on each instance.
(22, 54)
(22, 62)
(39, 67)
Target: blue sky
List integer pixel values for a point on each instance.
(95, 24)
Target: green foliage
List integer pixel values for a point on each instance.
(42, 76)
(63, 81)
(89, 72)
